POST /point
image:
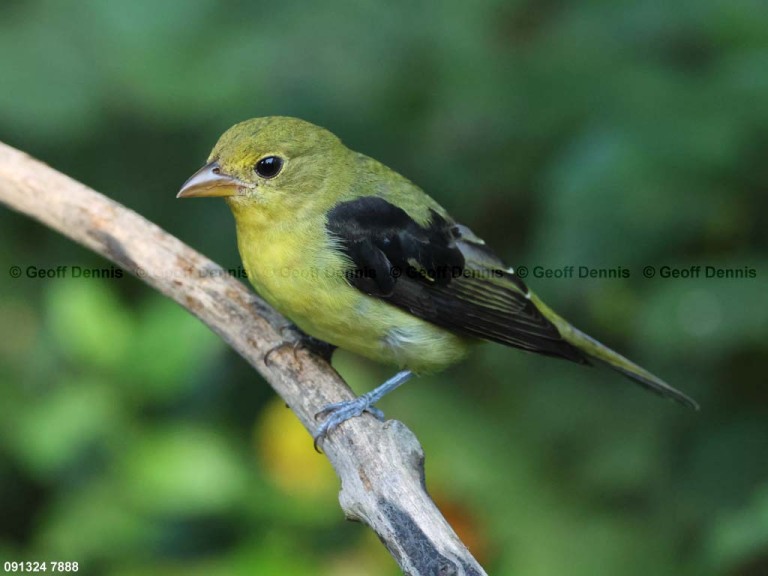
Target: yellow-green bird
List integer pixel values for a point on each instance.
(356, 255)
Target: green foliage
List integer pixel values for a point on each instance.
(627, 133)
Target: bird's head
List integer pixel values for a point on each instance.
(268, 162)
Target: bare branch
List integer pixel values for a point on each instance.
(380, 464)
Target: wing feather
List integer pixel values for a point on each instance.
(442, 273)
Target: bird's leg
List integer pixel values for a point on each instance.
(339, 412)
(294, 336)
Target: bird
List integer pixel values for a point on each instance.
(357, 256)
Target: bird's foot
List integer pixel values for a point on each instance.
(339, 412)
(296, 338)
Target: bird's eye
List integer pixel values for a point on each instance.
(268, 167)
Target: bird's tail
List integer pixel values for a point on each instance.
(594, 350)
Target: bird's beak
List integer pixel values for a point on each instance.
(210, 181)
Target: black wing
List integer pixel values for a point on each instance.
(441, 273)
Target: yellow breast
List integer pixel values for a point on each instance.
(300, 273)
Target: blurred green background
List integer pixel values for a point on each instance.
(601, 134)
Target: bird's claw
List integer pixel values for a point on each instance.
(284, 344)
(276, 348)
(339, 412)
(294, 337)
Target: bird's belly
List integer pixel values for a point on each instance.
(321, 303)
(382, 332)
(300, 275)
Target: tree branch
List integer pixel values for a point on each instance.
(380, 464)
